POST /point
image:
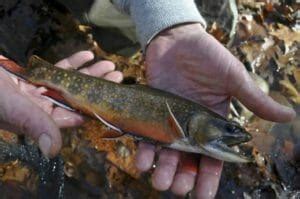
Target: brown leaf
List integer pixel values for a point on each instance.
(248, 28)
(218, 33)
(120, 151)
(297, 77)
(261, 139)
(290, 90)
(8, 136)
(286, 34)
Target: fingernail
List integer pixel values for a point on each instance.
(45, 144)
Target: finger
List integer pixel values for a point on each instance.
(31, 89)
(22, 116)
(185, 177)
(164, 172)
(64, 118)
(115, 76)
(6, 77)
(208, 177)
(45, 105)
(76, 60)
(35, 95)
(244, 89)
(145, 156)
(99, 69)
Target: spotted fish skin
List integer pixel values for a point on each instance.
(137, 109)
(147, 113)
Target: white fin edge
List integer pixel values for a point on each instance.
(108, 124)
(59, 103)
(176, 122)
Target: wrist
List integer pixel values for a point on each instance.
(183, 29)
(152, 17)
(174, 35)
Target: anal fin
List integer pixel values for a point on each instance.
(116, 129)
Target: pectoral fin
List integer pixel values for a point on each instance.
(57, 99)
(175, 124)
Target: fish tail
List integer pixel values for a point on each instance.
(12, 67)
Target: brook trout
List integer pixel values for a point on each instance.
(146, 113)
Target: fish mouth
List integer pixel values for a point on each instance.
(233, 139)
(216, 149)
(225, 152)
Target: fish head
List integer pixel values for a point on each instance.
(215, 136)
(206, 128)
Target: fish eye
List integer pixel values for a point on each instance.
(230, 127)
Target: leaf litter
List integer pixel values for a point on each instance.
(266, 40)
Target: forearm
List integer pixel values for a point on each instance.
(151, 17)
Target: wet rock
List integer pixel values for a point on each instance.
(50, 171)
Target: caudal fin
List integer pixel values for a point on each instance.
(12, 67)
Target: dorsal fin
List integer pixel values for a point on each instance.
(174, 123)
(36, 61)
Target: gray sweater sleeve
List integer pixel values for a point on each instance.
(153, 16)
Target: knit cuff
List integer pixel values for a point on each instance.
(153, 16)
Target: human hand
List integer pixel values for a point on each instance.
(187, 61)
(24, 110)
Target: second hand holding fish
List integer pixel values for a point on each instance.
(24, 110)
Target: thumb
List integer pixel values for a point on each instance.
(20, 115)
(242, 87)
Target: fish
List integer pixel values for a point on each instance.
(148, 114)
